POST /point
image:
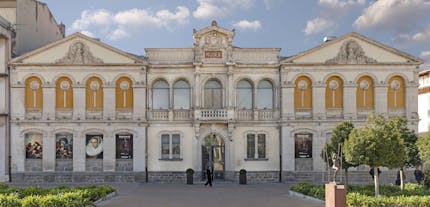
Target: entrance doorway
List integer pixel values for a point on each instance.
(213, 155)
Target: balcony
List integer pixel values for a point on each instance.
(303, 113)
(124, 113)
(182, 114)
(362, 113)
(244, 115)
(212, 114)
(159, 115)
(94, 114)
(265, 115)
(334, 113)
(63, 113)
(401, 112)
(33, 114)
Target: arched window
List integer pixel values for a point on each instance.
(264, 95)
(124, 93)
(33, 94)
(244, 95)
(365, 93)
(94, 94)
(303, 93)
(396, 93)
(181, 95)
(334, 93)
(213, 95)
(160, 95)
(63, 94)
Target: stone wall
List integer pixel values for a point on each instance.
(63, 165)
(33, 165)
(124, 165)
(93, 165)
(167, 177)
(78, 177)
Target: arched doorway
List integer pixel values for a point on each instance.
(213, 155)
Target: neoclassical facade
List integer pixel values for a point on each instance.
(84, 111)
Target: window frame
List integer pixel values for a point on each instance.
(160, 89)
(171, 156)
(256, 156)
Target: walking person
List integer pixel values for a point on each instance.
(208, 176)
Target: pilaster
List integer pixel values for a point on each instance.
(49, 102)
(109, 152)
(318, 101)
(380, 97)
(48, 158)
(108, 102)
(79, 152)
(349, 101)
(139, 146)
(79, 98)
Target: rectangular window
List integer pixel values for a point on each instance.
(327, 137)
(176, 149)
(250, 149)
(261, 146)
(303, 145)
(165, 146)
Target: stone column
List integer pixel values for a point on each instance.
(230, 87)
(3, 154)
(18, 149)
(79, 98)
(411, 97)
(318, 101)
(197, 87)
(48, 162)
(49, 102)
(17, 98)
(288, 102)
(288, 160)
(108, 102)
(109, 152)
(79, 151)
(349, 101)
(380, 98)
(139, 146)
(139, 102)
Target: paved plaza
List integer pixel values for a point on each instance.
(221, 194)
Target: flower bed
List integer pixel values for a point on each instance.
(363, 196)
(52, 197)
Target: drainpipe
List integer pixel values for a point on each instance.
(280, 126)
(146, 126)
(8, 132)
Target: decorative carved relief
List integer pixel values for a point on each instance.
(79, 53)
(351, 53)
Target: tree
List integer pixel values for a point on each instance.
(409, 138)
(378, 144)
(338, 136)
(423, 145)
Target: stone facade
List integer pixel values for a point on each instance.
(213, 105)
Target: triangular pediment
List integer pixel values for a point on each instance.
(353, 48)
(77, 49)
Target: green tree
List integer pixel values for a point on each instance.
(409, 138)
(338, 136)
(423, 145)
(378, 144)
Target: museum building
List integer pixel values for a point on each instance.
(83, 111)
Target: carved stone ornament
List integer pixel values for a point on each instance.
(94, 85)
(333, 85)
(302, 85)
(34, 85)
(124, 85)
(64, 85)
(79, 53)
(351, 53)
(395, 84)
(364, 85)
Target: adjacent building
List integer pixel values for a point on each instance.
(423, 102)
(83, 111)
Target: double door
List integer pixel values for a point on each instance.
(214, 157)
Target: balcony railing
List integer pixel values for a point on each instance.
(33, 114)
(94, 114)
(397, 112)
(159, 115)
(334, 113)
(303, 113)
(244, 115)
(124, 113)
(265, 115)
(364, 112)
(213, 114)
(182, 114)
(63, 113)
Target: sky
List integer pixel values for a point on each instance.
(292, 25)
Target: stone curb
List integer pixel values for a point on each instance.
(305, 197)
(109, 196)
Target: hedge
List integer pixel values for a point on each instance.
(52, 197)
(363, 196)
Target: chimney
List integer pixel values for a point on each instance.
(62, 29)
(329, 38)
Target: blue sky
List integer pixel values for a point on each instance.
(292, 25)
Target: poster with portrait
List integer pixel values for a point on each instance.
(303, 146)
(33, 146)
(94, 146)
(124, 146)
(64, 146)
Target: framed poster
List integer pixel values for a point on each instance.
(303, 145)
(64, 146)
(94, 147)
(124, 146)
(33, 146)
